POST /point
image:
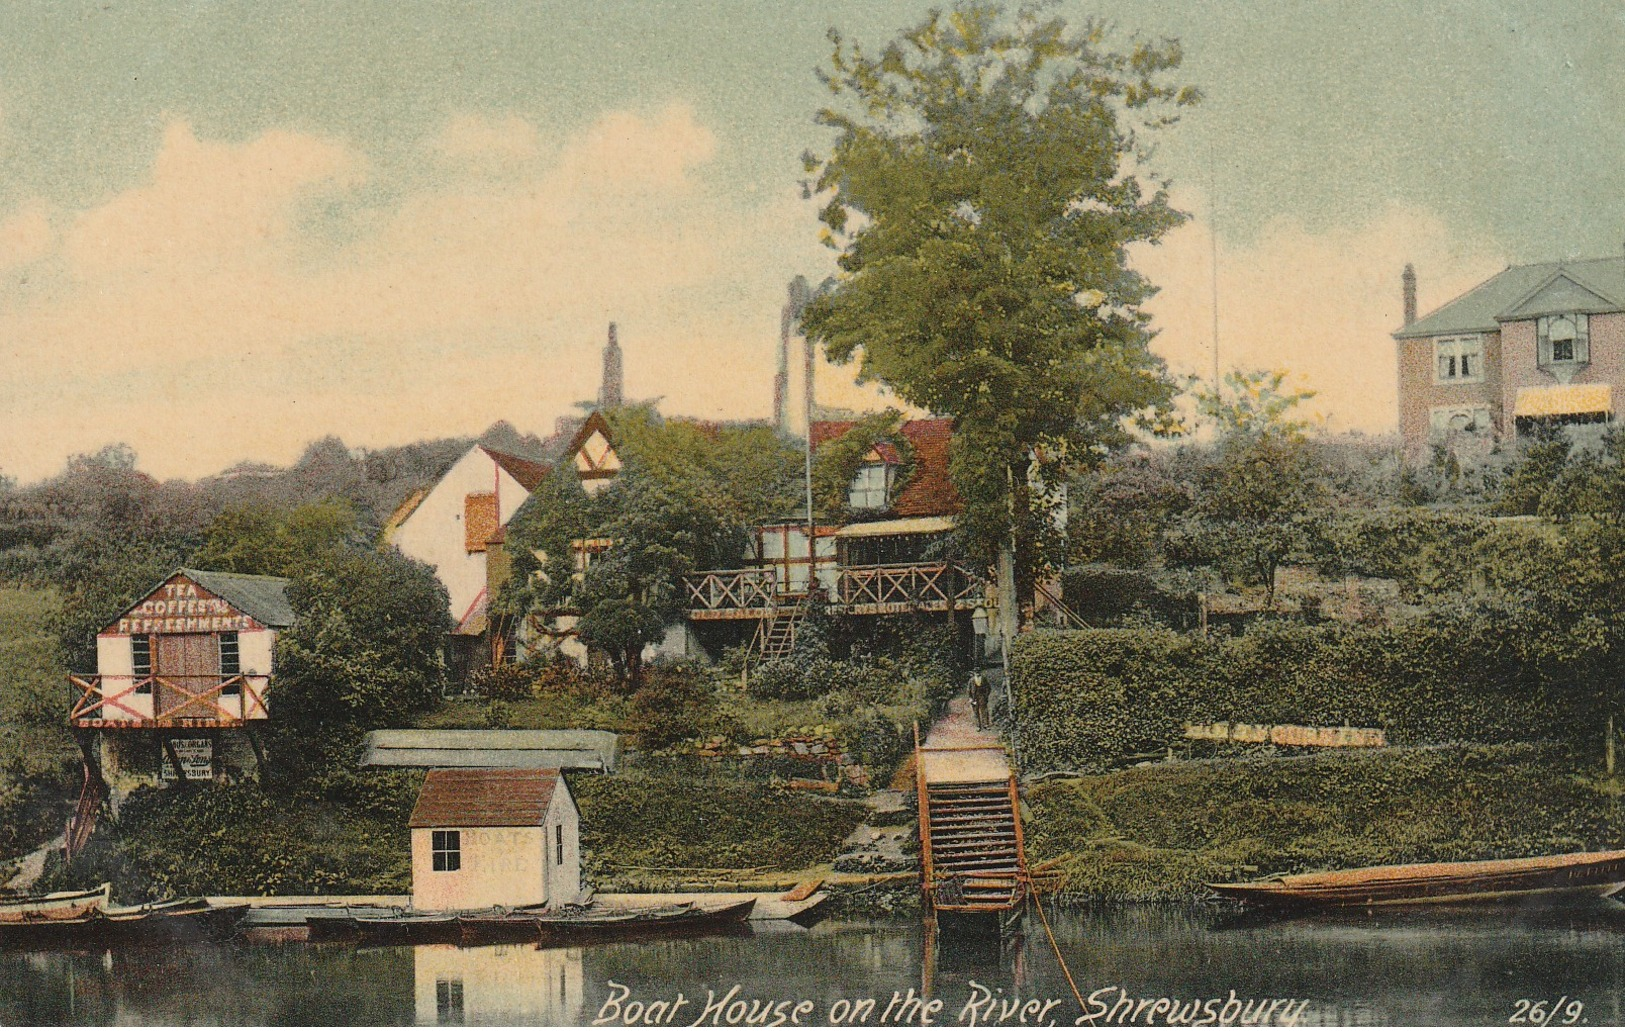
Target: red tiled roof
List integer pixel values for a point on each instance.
(529, 474)
(484, 798)
(479, 520)
(929, 491)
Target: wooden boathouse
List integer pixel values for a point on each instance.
(182, 683)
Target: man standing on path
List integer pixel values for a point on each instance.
(979, 700)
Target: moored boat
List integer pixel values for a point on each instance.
(1534, 877)
(597, 923)
(59, 905)
(179, 920)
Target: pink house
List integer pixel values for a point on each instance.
(1534, 344)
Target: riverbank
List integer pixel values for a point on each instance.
(1158, 833)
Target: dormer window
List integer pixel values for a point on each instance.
(871, 487)
(1563, 340)
(1459, 360)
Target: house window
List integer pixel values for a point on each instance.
(141, 663)
(558, 844)
(870, 487)
(231, 663)
(1563, 339)
(448, 1000)
(447, 847)
(1458, 360)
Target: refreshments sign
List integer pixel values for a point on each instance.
(182, 607)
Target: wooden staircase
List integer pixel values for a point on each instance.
(82, 824)
(972, 856)
(776, 634)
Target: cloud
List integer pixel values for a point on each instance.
(26, 237)
(1320, 304)
(251, 295)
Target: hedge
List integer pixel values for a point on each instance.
(1087, 700)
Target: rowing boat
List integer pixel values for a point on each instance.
(1572, 874)
(180, 920)
(400, 928)
(597, 923)
(59, 905)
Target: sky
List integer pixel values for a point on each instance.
(229, 228)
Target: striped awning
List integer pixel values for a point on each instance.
(1568, 399)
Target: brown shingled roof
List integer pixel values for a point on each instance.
(484, 798)
(529, 474)
(929, 491)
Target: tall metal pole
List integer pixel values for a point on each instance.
(1213, 261)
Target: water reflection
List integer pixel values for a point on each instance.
(1395, 968)
(497, 984)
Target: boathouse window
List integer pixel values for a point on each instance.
(141, 662)
(558, 844)
(231, 663)
(1562, 339)
(448, 850)
(448, 999)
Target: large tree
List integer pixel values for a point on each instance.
(987, 176)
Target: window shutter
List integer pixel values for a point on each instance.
(1582, 338)
(1543, 342)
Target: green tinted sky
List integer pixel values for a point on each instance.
(1494, 125)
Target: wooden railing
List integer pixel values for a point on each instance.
(936, 585)
(755, 593)
(719, 589)
(180, 700)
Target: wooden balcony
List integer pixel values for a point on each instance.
(125, 702)
(858, 590)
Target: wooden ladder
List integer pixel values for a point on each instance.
(776, 634)
(82, 824)
(971, 844)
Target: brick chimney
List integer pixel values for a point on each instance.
(611, 393)
(1408, 280)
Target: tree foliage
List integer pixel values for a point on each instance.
(269, 541)
(986, 176)
(363, 653)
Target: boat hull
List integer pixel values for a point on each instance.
(61, 905)
(1544, 878)
(182, 922)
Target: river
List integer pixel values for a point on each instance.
(1416, 968)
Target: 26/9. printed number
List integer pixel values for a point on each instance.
(1544, 1013)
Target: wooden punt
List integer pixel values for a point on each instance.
(1535, 877)
(598, 923)
(179, 920)
(59, 905)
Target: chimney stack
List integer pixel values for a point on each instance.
(1409, 281)
(610, 393)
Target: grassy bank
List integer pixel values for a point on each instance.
(1157, 833)
(348, 835)
(659, 829)
(38, 759)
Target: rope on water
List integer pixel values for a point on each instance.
(1032, 897)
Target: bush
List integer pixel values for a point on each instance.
(675, 703)
(509, 683)
(712, 822)
(1089, 699)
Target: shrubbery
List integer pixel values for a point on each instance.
(1089, 699)
(1159, 833)
(344, 835)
